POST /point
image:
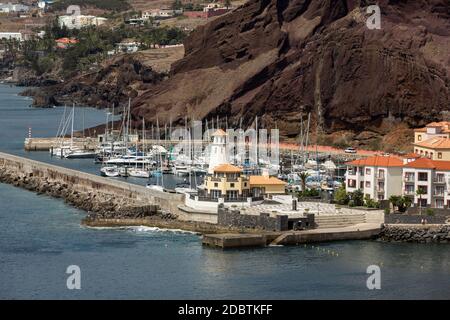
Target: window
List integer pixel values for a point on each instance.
(351, 183)
(216, 185)
(440, 177)
(380, 174)
(423, 176)
(439, 203)
(368, 170)
(439, 191)
(439, 155)
(232, 194)
(231, 185)
(409, 176)
(409, 189)
(419, 137)
(367, 184)
(361, 184)
(216, 194)
(424, 189)
(245, 184)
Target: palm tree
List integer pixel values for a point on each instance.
(420, 192)
(303, 176)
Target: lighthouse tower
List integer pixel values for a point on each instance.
(218, 152)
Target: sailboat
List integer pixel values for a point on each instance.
(159, 174)
(140, 172)
(187, 187)
(74, 152)
(62, 148)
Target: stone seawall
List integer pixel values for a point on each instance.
(394, 218)
(415, 233)
(102, 197)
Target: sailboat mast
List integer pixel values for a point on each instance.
(143, 141)
(256, 146)
(112, 120)
(83, 121)
(71, 135)
(307, 135)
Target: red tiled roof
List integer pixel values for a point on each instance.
(444, 125)
(219, 132)
(435, 143)
(66, 40)
(227, 168)
(412, 155)
(378, 161)
(262, 180)
(426, 163)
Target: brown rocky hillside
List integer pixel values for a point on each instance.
(279, 59)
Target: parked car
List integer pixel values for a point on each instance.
(350, 150)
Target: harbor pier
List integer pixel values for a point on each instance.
(117, 203)
(85, 190)
(362, 231)
(46, 144)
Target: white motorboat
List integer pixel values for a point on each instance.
(131, 160)
(155, 187)
(139, 173)
(110, 171)
(79, 154)
(60, 152)
(181, 170)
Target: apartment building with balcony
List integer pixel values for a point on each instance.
(432, 130)
(437, 148)
(430, 176)
(378, 177)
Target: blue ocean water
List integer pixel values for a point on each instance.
(41, 236)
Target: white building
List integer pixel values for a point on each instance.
(11, 35)
(218, 152)
(432, 177)
(378, 177)
(383, 176)
(128, 47)
(160, 13)
(13, 7)
(80, 21)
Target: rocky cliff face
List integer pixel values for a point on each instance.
(281, 59)
(119, 79)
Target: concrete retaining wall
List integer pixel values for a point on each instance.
(436, 211)
(233, 218)
(84, 182)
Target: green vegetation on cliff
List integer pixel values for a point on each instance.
(94, 43)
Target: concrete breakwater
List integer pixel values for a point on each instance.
(102, 197)
(415, 233)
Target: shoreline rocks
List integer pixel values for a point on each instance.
(106, 210)
(98, 205)
(415, 234)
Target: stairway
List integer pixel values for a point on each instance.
(339, 220)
